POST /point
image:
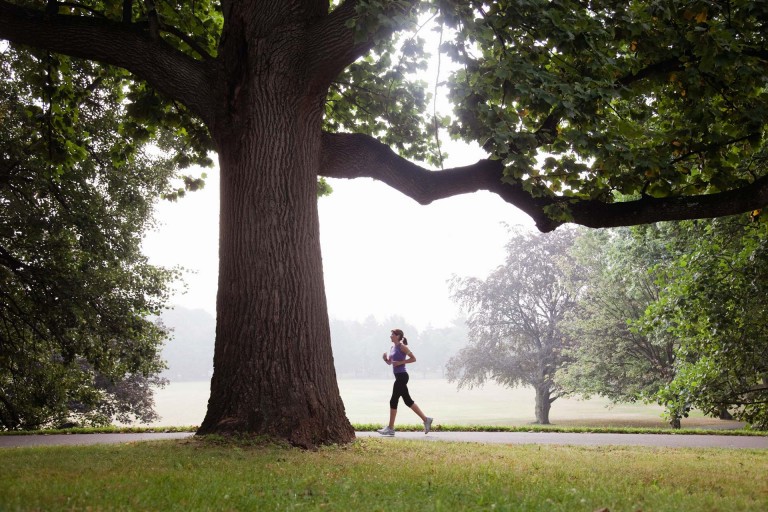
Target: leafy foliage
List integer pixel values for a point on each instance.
(657, 98)
(618, 355)
(673, 313)
(77, 188)
(516, 318)
(379, 95)
(715, 305)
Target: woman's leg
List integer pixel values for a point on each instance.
(407, 400)
(392, 416)
(415, 408)
(399, 388)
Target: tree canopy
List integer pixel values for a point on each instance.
(77, 190)
(653, 100)
(637, 105)
(649, 110)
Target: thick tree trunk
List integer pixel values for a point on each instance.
(724, 414)
(273, 367)
(543, 404)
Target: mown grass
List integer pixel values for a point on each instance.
(379, 474)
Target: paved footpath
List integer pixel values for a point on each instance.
(11, 441)
(659, 440)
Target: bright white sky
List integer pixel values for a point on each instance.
(383, 253)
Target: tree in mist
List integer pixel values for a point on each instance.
(662, 103)
(436, 345)
(618, 355)
(516, 318)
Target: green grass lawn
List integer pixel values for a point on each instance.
(376, 474)
(396, 474)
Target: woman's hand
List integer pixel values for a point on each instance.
(386, 359)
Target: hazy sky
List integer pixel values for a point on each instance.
(383, 253)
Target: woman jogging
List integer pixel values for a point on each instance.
(400, 355)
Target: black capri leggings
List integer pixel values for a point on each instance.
(400, 389)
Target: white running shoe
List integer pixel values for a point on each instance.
(386, 431)
(427, 425)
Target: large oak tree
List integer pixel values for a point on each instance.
(660, 101)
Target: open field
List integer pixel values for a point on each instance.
(367, 401)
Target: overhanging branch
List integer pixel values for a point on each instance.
(357, 156)
(169, 71)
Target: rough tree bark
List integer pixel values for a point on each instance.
(273, 367)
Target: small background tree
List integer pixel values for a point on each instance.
(515, 318)
(617, 356)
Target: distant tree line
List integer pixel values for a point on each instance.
(357, 346)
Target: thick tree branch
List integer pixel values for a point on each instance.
(127, 12)
(356, 156)
(169, 71)
(655, 69)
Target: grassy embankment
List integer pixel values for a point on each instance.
(395, 474)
